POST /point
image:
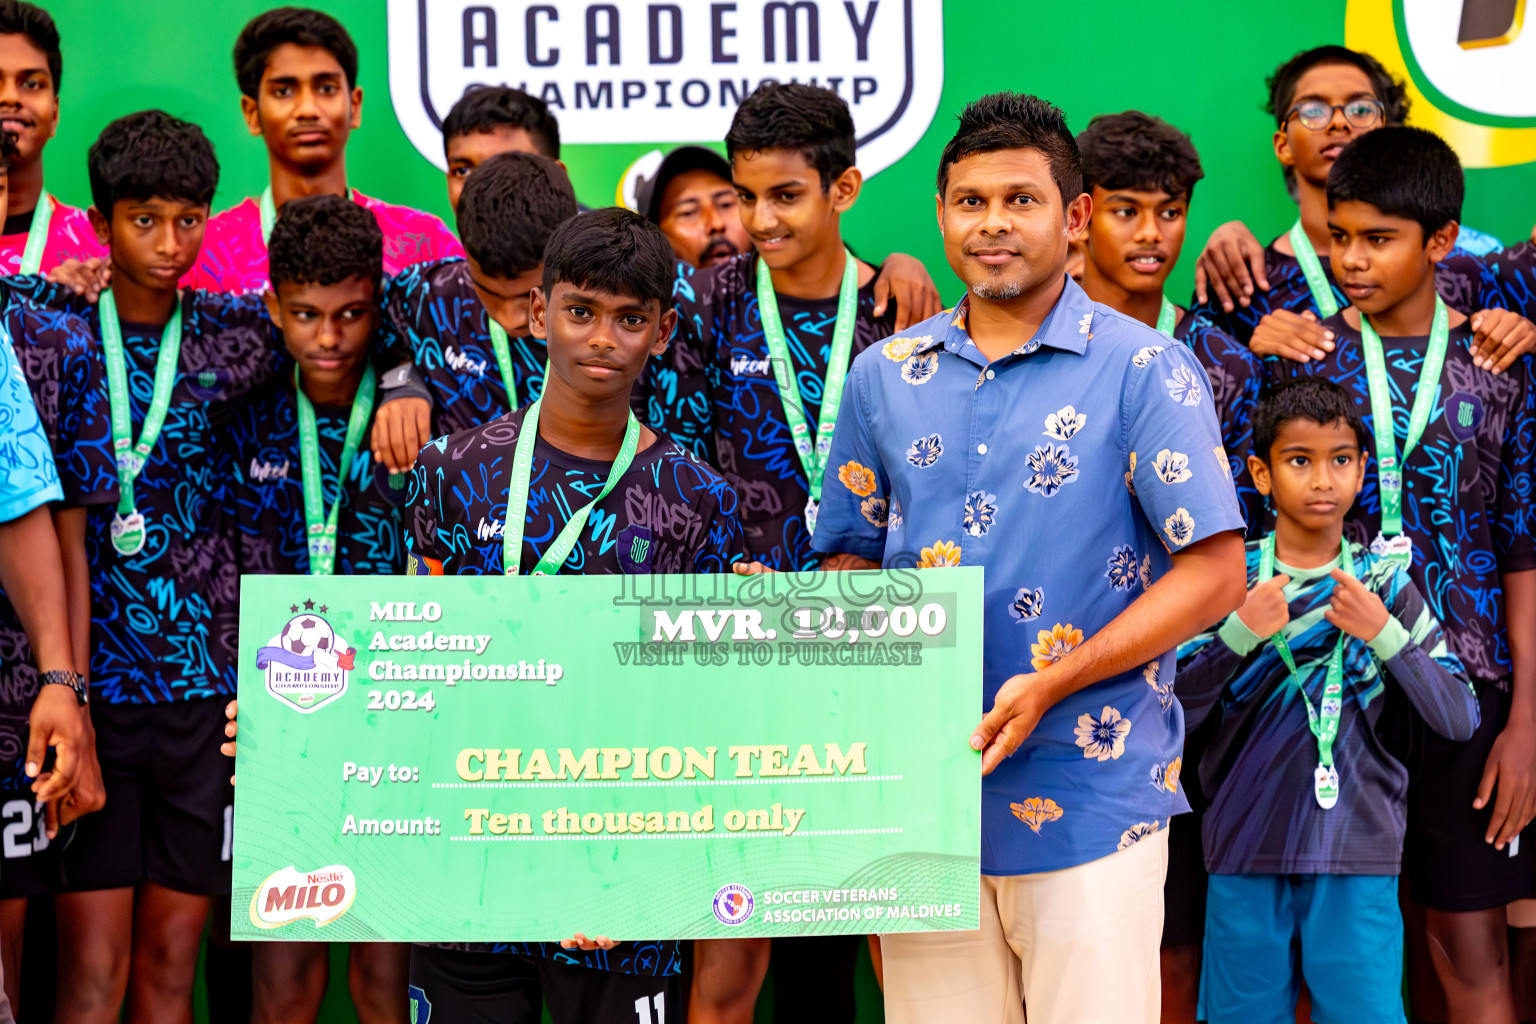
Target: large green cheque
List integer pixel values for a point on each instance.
(524, 758)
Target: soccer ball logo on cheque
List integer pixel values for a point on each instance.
(306, 663)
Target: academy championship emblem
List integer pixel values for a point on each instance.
(733, 904)
(306, 663)
(669, 72)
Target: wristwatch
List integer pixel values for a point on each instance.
(74, 680)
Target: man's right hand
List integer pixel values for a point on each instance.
(400, 430)
(1231, 262)
(1266, 611)
(55, 722)
(1294, 336)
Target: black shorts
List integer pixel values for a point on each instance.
(1184, 887)
(452, 987)
(26, 855)
(169, 802)
(1449, 865)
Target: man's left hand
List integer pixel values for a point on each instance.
(1015, 713)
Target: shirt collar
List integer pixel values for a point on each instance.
(1068, 325)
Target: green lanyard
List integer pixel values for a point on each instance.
(268, 213)
(517, 497)
(37, 236)
(128, 525)
(813, 457)
(1167, 317)
(321, 532)
(1324, 723)
(502, 347)
(1322, 291)
(1389, 464)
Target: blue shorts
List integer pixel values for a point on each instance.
(1264, 934)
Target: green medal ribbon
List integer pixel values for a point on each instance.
(517, 497)
(1323, 722)
(320, 528)
(1322, 291)
(501, 345)
(268, 213)
(1389, 463)
(813, 456)
(37, 236)
(1167, 317)
(128, 529)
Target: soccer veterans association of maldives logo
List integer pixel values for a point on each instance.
(306, 663)
(645, 72)
(733, 904)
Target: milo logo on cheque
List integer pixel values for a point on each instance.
(288, 895)
(306, 663)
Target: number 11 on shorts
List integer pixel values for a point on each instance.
(643, 1009)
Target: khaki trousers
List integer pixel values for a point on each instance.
(1075, 946)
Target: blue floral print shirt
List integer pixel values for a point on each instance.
(1071, 469)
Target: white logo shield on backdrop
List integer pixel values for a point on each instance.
(641, 72)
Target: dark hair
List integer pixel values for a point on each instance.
(151, 154)
(1403, 172)
(20, 18)
(484, 108)
(1012, 120)
(509, 208)
(612, 250)
(1282, 84)
(325, 240)
(1137, 151)
(1303, 398)
(298, 25)
(807, 118)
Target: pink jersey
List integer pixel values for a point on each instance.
(70, 237)
(234, 255)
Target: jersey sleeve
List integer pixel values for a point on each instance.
(28, 476)
(83, 443)
(236, 342)
(674, 396)
(1433, 678)
(1515, 519)
(848, 520)
(721, 540)
(1177, 459)
(1237, 377)
(426, 553)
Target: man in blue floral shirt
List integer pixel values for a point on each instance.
(1074, 452)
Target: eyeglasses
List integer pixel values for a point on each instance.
(1316, 115)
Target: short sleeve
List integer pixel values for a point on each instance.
(83, 443)
(402, 297)
(425, 553)
(855, 492)
(675, 396)
(1174, 449)
(1515, 519)
(233, 338)
(722, 541)
(28, 476)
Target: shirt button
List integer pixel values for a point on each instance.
(991, 374)
(981, 449)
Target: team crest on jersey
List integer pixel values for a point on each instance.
(669, 73)
(421, 1006)
(1463, 414)
(634, 549)
(306, 663)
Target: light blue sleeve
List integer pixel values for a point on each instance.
(28, 476)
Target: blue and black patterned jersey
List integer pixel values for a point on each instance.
(433, 317)
(1264, 817)
(669, 513)
(64, 376)
(165, 620)
(1236, 377)
(1498, 280)
(267, 492)
(715, 392)
(1467, 486)
(1468, 282)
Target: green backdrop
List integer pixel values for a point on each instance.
(1202, 67)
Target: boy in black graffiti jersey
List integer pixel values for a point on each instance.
(604, 309)
(326, 257)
